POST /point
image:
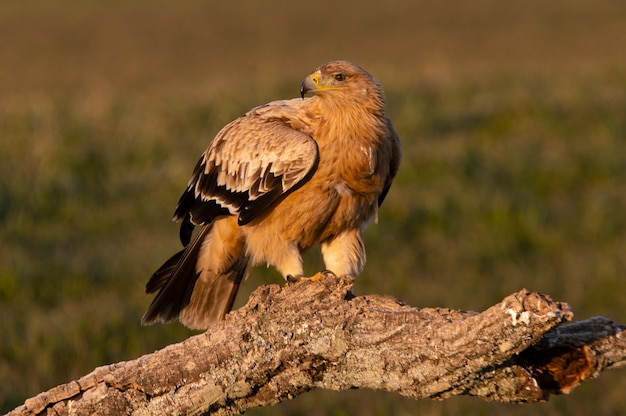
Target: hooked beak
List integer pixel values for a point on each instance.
(309, 85)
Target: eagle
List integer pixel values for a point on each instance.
(273, 183)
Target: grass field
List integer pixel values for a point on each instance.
(513, 122)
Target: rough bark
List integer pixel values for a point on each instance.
(288, 340)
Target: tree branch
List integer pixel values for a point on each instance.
(288, 340)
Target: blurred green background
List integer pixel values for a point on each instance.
(513, 121)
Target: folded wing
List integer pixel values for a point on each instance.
(251, 165)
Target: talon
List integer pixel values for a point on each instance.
(315, 278)
(324, 274)
(291, 279)
(327, 273)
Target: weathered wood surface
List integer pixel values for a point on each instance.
(288, 340)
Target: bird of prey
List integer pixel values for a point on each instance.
(278, 180)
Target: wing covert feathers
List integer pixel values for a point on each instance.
(251, 164)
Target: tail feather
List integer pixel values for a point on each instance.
(198, 285)
(212, 297)
(160, 278)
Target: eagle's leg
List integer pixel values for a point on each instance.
(344, 254)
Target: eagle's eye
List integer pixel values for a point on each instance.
(340, 77)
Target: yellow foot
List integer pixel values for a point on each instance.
(315, 278)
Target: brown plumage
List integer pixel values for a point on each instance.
(276, 181)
